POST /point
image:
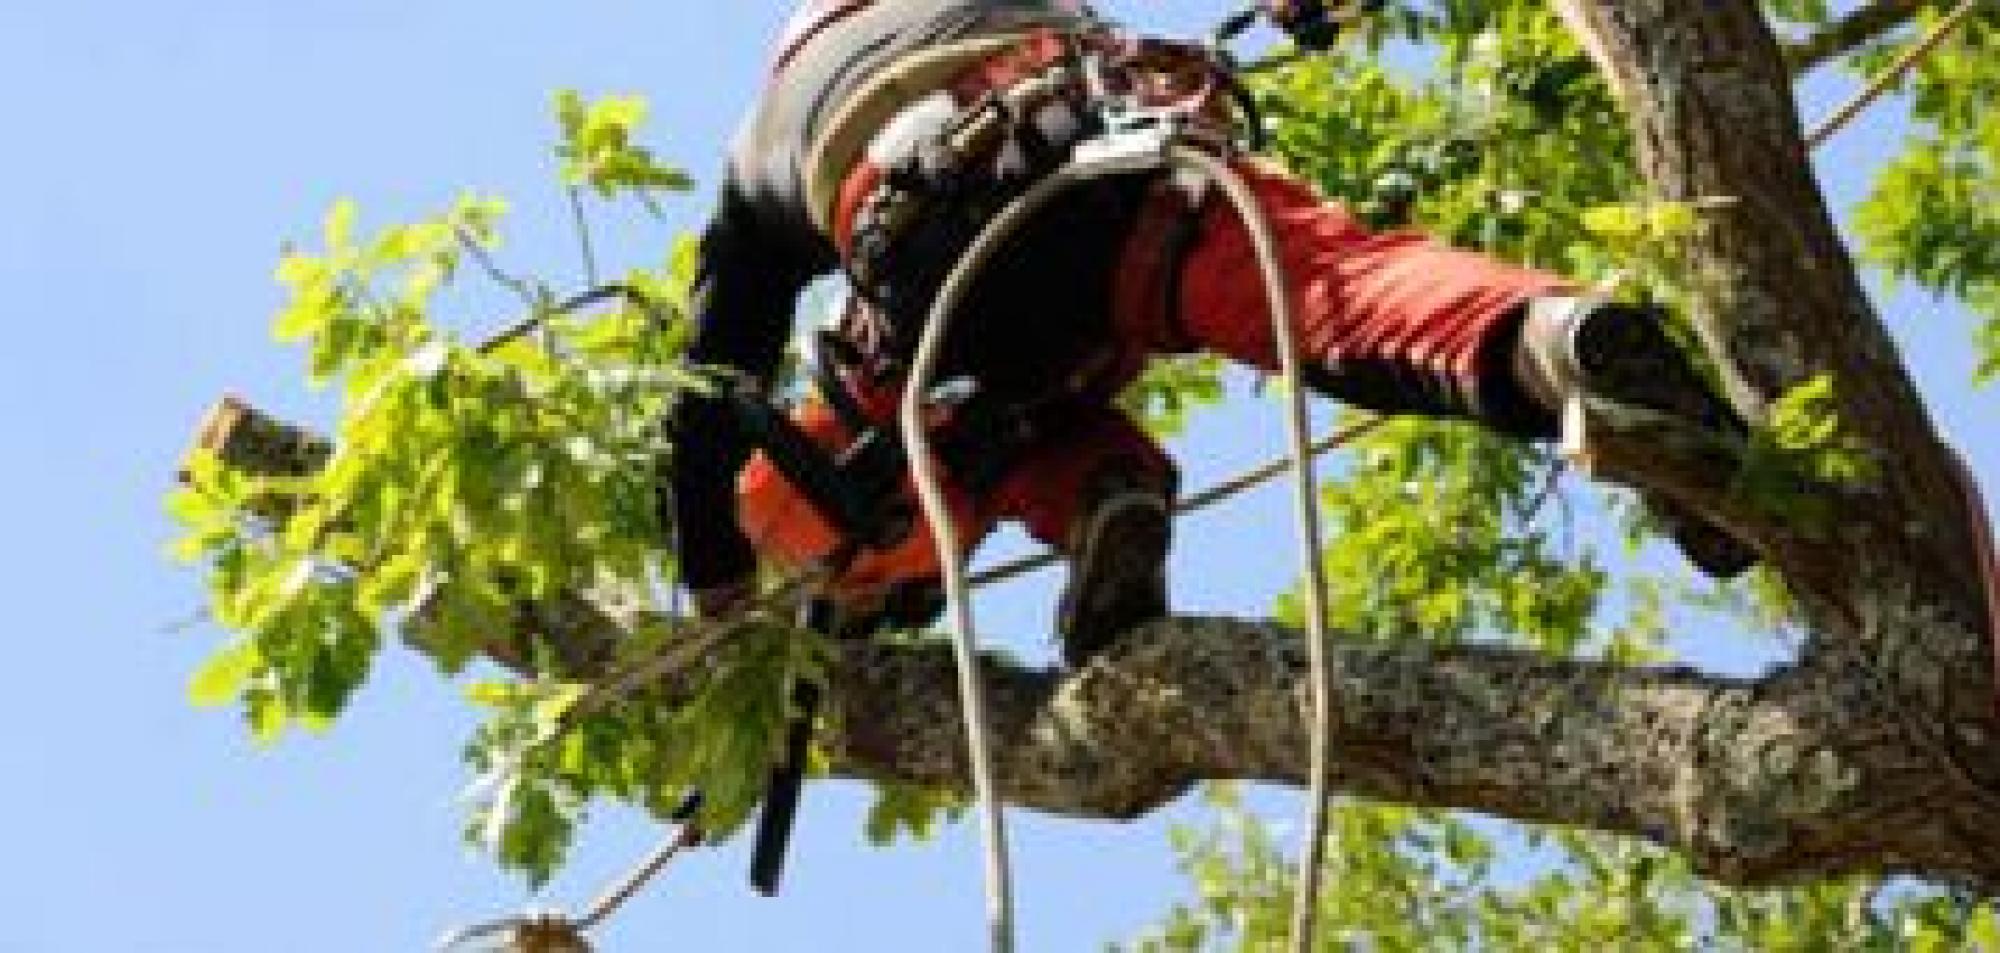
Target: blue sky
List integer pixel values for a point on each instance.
(159, 154)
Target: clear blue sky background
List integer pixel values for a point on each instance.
(157, 156)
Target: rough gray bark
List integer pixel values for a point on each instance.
(1759, 782)
(1876, 750)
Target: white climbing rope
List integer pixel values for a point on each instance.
(945, 537)
(1139, 152)
(1305, 905)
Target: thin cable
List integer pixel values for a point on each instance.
(1890, 77)
(1305, 908)
(1219, 493)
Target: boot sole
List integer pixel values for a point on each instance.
(1625, 355)
(1116, 579)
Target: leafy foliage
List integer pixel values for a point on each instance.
(541, 759)
(1934, 216)
(1405, 880)
(467, 480)
(1803, 447)
(598, 151)
(1172, 390)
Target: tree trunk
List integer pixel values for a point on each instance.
(1890, 591)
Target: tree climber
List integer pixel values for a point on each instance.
(889, 131)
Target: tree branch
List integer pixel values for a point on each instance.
(1861, 26)
(1778, 300)
(1759, 782)
(1807, 772)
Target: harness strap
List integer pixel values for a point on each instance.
(979, 70)
(1149, 286)
(1989, 553)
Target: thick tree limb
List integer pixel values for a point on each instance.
(1760, 782)
(1804, 773)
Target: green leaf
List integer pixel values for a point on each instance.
(493, 694)
(266, 714)
(338, 231)
(1616, 221)
(1984, 931)
(1651, 221)
(221, 678)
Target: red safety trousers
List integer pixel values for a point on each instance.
(1393, 322)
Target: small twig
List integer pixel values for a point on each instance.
(542, 313)
(1861, 26)
(582, 222)
(1550, 482)
(1891, 76)
(484, 256)
(689, 835)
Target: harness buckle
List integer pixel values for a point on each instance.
(1137, 142)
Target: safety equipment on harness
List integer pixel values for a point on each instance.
(936, 172)
(942, 166)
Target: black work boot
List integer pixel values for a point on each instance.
(1621, 352)
(1117, 565)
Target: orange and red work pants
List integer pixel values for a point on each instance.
(1393, 322)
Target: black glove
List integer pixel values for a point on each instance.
(1316, 24)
